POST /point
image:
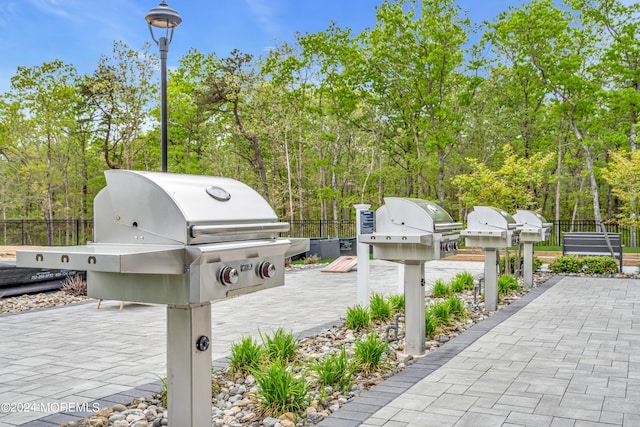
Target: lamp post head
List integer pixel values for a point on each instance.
(163, 16)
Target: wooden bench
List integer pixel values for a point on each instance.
(592, 244)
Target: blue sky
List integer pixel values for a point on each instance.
(79, 31)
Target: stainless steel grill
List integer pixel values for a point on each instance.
(533, 228)
(180, 240)
(412, 231)
(211, 237)
(489, 227)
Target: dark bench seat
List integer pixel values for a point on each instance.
(592, 244)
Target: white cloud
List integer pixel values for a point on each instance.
(265, 14)
(7, 12)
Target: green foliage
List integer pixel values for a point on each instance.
(357, 318)
(430, 323)
(368, 352)
(280, 390)
(466, 278)
(600, 265)
(396, 302)
(334, 370)
(379, 307)
(566, 264)
(245, 356)
(623, 174)
(507, 284)
(440, 289)
(457, 307)
(442, 312)
(281, 345)
(587, 264)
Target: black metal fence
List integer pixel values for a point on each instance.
(23, 232)
(79, 232)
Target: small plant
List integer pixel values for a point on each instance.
(440, 289)
(457, 285)
(368, 352)
(162, 394)
(357, 318)
(379, 307)
(75, 285)
(282, 345)
(280, 391)
(457, 307)
(466, 278)
(396, 302)
(312, 259)
(333, 370)
(245, 356)
(441, 312)
(507, 284)
(430, 323)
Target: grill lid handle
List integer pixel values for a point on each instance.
(224, 229)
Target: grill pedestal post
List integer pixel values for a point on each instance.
(527, 276)
(491, 279)
(188, 368)
(414, 304)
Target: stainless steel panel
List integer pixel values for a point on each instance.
(140, 259)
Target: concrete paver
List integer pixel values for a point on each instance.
(563, 359)
(566, 354)
(78, 354)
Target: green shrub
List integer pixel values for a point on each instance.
(357, 318)
(600, 265)
(457, 307)
(430, 323)
(440, 289)
(379, 307)
(396, 302)
(280, 390)
(333, 370)
(282, 345)
(507, 284)
(466, 278)
(566, 264)
(245, 356)
(368, 352)
(442, 312)
(456, 285)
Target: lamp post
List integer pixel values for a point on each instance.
(163, 17)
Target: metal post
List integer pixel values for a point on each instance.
(189, 365)
(362, 251)
(414, 306)
(527, 277)
(490, 279)
(163, 43)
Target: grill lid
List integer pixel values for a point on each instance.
(530, 220)
(406, 214)
(489, 218)
(162, 208)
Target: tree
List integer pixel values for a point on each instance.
(120, 90)
(623, 174)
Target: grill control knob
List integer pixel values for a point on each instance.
(229, 276)
(266, 270)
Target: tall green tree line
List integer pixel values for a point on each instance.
(537, 109)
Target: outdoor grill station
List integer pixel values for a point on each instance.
(184, 241)
(533, 229)
(411, 231)
(490, 229)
